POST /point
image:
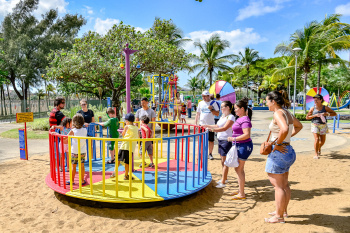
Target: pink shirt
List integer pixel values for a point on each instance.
(189, 104)
(240, 124)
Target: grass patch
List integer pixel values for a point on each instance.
(13, 133)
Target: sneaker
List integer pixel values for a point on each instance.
(113, 175)
(141, 164)
(220, 186)
(219, 182)
(211, 157)
(151, 165)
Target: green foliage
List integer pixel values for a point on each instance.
(94, 60)
(210, 60)
(27, 41)
(39, 124)
(301, 116)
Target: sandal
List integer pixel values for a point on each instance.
(127, 177)
(234, 193)
(84, 182)
(151, 165)
(274, 219)
(285, 215)
(236, 197)
(111, 161)
(68, 183)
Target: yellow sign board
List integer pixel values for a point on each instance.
(24, 117)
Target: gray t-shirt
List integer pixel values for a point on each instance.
(149, 112)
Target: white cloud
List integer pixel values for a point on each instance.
(343, 9)
(88, 10)
(102, 26)
(6, 7)
(258, 8)
(239, 39)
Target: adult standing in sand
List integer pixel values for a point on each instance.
(241, 135)
(56, 116)
(283, 126)
(319, 128)
(205, 114)
(224, 129)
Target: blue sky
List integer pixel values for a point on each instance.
(259, 24)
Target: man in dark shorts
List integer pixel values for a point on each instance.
(205, 114)
(56, 116)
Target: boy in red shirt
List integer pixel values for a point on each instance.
(183, 114)
(146, 133)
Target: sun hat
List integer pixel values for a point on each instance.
(130, 117)
(205, 93)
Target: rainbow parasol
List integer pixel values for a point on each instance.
(225, 90)
(312, 92)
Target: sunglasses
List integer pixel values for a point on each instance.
(83, 104)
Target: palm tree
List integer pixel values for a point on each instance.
(269, 83)
(333, 36)
(192, 83)
(246, 60)
(49, 88)
(284, 72)
(210, 59)
(304, 39)
(202, 85)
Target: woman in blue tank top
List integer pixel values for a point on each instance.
(319, 128)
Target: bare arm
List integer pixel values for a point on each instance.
(282, 124)
(309, 115)
(197, 117)
(330, 112)
(228, 125)
(244, 136)
(60, 127)
(124, 130)
(297, 126)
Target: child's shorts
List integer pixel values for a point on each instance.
(183, 116)
(111, 145)
(123, 156)
(65, 148)
(148, 147)
(75, 158)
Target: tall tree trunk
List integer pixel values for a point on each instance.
(319, 78)
(39, 106)
(8, 96)
(304, 100)
(210, 78)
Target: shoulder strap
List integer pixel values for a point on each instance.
(285, 115)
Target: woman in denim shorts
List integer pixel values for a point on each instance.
(241, 136)
(283, 126)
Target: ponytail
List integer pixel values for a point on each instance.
(243, 103)
(280, 97)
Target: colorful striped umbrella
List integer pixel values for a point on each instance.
(312, 92)
(225, 90)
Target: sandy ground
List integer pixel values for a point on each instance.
(320, 200)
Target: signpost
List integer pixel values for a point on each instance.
(24, 117)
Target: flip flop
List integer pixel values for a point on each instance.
(279, 220)
(83, 183)
(68, 183)
(285, 215)
(235, 197)
(111, 161)
(234, 193)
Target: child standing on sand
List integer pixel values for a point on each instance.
(78, 130)
(183, 114)
(130, 132)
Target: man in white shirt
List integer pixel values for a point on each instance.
(205, 114)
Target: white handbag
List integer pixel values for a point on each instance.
(232, 157)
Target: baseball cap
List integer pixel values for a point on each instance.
(205, 93)
(130, 117)
(318, 96)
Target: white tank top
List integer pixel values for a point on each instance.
(82, 132)
(275, 130)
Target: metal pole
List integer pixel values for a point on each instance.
(127, 52)
(295, 82)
